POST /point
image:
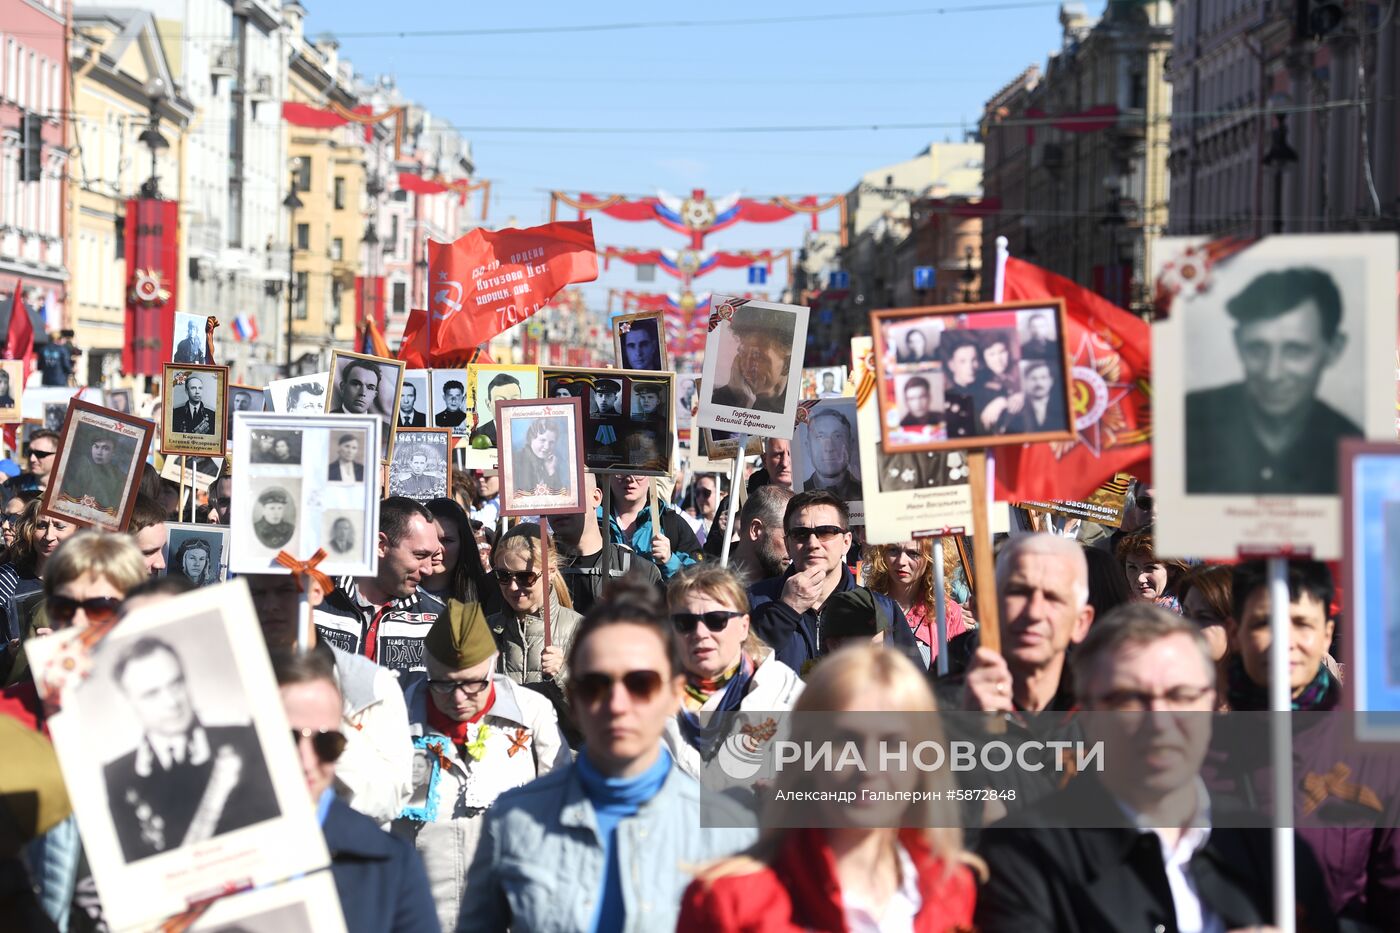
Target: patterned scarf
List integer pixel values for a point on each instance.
(1322, 693)
(735, 683)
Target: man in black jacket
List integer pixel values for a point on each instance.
(1137, 845)
(585, 561)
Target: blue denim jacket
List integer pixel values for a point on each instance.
(539, 865)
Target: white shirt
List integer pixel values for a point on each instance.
(1192, 916)
(898, 915)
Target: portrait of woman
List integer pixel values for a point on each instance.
(543, 461)
(195, 560)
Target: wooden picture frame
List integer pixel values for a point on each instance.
(618, 436)
(12, 392)
(982, 412)
(176, 380)
(90, 493)
(421, 486)
(633, 355)
(524, 489)
(382, 404)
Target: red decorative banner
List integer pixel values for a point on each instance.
(417, 184)
(691, 263)
(327, 118)
(152, 278)
(699, 215)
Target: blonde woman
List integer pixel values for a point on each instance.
(904, 573)
(859, 874)
(727, 668)
(517, 563)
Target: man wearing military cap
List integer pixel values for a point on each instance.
(271, 528)
(606, 395)
(758, 378)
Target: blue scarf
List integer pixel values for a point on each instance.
(704, 736)
(615, 799)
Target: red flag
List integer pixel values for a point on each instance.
(487, 282)
(19, 338)
(413, 349)
(1111, 363)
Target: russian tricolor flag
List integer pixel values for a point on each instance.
(245, 327)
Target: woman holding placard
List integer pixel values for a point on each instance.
(518, 562)
(904, 573)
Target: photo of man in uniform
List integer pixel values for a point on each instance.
(357, 391)
(918, 404)
(762, 361)
(185, 782)
(640, 348)
(829, 450)
(1039, 342)
(418, 483)
(1270, 434)
(409, 415)
(191, 348)
(646, 401)
(607, 395)
(922, 470)
(94, 474)
(196, 561)
(454, 411)
(195, 416)
(7, 400)
(274, 526)
(502, 387)
(348, 466)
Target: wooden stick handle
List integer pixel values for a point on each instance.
(983, 567)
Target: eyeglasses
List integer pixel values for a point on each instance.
(523, 578)
(41, 454)
(717, 621)
(99, 609)
(8, 518)
(448, 687)
(592, 687)
(328, 744)
(1134, 701)
(823, 532)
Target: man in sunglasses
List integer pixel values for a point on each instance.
(385, 617)
(378, 876)
(43, 448)
(181, 768)
(787, 609)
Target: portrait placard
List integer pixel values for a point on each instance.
(243, 398)
(724, 445)
(1370, 586)
(687, 388)
(628, 419)
(292, 475)
(199, 790)
(488, 384)
(1268, 358)
(448, 404)
(973, 375)
(639, 340)
(121, 400)
(1103, 507)
(429, 752)
(414, 399)
(541, 463)
(309, 904)
(753, 367)
(366, 385)
(38, 401)
(421, 468)
(197, 552)
(191, 344)
(193, 421)
(823, 382)
(299, 395)
(97, 471)
(199, 472)
(12, 391)
(826, 452)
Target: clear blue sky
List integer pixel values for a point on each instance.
(897, 62)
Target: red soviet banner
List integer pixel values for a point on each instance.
(486, 282)
(152, 281)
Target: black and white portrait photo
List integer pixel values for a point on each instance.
(640, 341)
(279, 446)
(753, 367)
(606, 398)
(199, 472)
(194, 420)
(831, 381)
(648, 401)
(242, 398)
(421, 464)
(12, 388)
(119, 400)
(826, 450)
(299, 395)
(53, 415)
(1262, 366)
(628, 421)
(94, 478)
(541, 472)
(488, 384)
(366, 385)
(275, 512)
(342, 533)
(196, 552)
(450, 400)
(348, 457)
(190, 332)
(413, 400)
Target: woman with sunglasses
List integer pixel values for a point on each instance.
(727, 667)
(458, 571)
(621, 817)
(904, 573)
(379, 878)
(517, 563)
(860, 873)
(490, 735)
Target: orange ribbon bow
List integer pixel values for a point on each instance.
(521, 739)
(1318, 787)
(307, 568)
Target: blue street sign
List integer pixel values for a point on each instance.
(758, 275)
(923, 277)
(840, 279)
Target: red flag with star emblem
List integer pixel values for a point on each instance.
(1111, 367)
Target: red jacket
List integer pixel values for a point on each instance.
(800, 891)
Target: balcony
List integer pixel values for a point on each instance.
(223, 62)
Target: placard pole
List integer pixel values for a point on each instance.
(940, 607)
(304, 615)
(1281, 726)
(544, 571)
(605, 529)
(983, 568)
(735, 478)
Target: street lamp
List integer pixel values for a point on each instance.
(156, 92)
(1279, 157)
(292, 203)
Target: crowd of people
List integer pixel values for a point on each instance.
(565, 685)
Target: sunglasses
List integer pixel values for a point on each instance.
(1144, 503)
(328, 744)
(717, 621)
(592, 687)
(42, 454)
(823, 532)
(523, 578)
(448, 687)
(99, 609)
(702, 493)
(8, 519)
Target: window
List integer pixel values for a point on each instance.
(338, 249)
(303, 236)
(392, 246)
(400, 297)
(339, 193)
(299, 305)
(303, 175)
